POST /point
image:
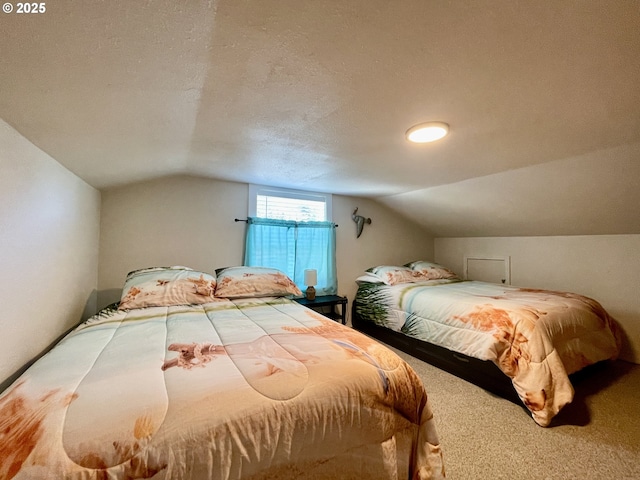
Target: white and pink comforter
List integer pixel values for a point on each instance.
(259, 388)
(536, 337)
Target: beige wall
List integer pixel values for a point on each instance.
(49, 237)
(604, 267)
(190, 221)
(175, 221)
(388, 240)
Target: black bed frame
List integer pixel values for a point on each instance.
(482, 373)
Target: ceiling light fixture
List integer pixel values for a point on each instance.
(427, 132)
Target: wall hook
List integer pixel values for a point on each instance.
(360, 221)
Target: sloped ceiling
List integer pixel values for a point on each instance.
(543, 99)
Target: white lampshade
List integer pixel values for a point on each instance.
(310, 277)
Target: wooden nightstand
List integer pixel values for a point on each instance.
(321, 303)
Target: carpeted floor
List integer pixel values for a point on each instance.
(486, 437)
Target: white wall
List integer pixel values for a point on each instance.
(189, 221)
(49, 233)
(603, 267)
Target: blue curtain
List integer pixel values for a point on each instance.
(293, 247)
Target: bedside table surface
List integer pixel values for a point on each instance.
(322, 300)
(327, 301)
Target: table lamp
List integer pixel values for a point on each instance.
(310, 280)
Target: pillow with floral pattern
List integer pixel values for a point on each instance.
(432, 271)
(393, 275)
(167, 286)
(239, 282)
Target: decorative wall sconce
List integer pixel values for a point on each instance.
(360, 221)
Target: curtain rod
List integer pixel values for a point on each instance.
(245, 220)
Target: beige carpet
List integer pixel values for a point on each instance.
(486, 437)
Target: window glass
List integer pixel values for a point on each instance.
(285, 204)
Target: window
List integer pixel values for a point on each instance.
(291, 230)
(285, 204)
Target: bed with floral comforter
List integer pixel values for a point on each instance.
(228, 388)
(536, 337)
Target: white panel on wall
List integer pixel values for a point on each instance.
(492, 269)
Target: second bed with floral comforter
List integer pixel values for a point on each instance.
(536, 337)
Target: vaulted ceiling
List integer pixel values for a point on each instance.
(543, 100)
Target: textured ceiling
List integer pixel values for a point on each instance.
(543, 99)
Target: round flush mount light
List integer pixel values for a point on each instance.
(427, 132)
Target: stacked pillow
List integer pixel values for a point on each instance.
(178, 285)
(432, 271)
(166, 286)
(418, 271)
(237, 282)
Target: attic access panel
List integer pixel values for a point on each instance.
(492, 269)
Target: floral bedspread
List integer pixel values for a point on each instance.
(536, 337)
(259, 388)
